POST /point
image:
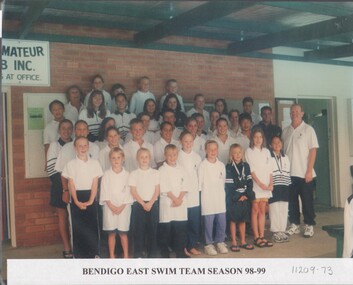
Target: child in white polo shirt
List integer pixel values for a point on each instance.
(144, 187)
(82, 174)
(190, 161)
(213, 200)
(173, 213)
(116, 199)
(259, 159)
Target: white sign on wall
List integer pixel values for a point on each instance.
(25, 63)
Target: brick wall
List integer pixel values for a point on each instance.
(214, 76)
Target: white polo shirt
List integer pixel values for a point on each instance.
(158, 149)
(211, 184)
(51, 132)
(71, 112)
(115, 188)
(172, 179)
(130, 150)
(122, 122)
(297, 144)
(199, 146)
(104, 157)
(260, 163)
(82, 172)
(190, 163)
(223, 148)
(243, 140)
(68, 153)
(138, 100)
(145, 182)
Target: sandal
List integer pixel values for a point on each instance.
(247, 246)
(267, 243)
(68, 254)
(235, 248)
(259, 242)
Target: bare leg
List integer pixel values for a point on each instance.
(254, 219)
(242, 232)
(233, 232)
(64, 228)
(111, 244)
(125, 244)
(261, 218)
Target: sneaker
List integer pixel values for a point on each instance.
(210, 249)
(293, 229)
(285, 238)
(277, 237)
(222, 248)
(308, 231)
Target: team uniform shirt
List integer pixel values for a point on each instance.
(260, 163)
(281, 178)
(52, 155)
(138, 100)
(122, 122)
(199, 146)
(145, 181)
(153, 126)
(172, 179)
(190, 163)
(107, 100)
(180, 99)
(234, 134)
(223, 148)
(348, 228)
(205, 114)
(68, 153)
(243, 140)
(82, 172)
(51, 132)
(211, 184)
(104, 157)
(158, 149)
(115, 188)
(94, 122)
(71, 112)
(176, 133)
(130, 150)
(296, 144)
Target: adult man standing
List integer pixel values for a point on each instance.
(248, 104)
(270, 130)
(300, 144)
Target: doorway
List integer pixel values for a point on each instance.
(318, 114)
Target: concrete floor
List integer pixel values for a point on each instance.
(321, 245)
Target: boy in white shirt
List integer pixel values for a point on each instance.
(131, 147)
(144, 187)
(166, 138)
(213, 203)
(173, 208)
(141, 95)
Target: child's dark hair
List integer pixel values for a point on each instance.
(166, 100)
(248, 99)
(225, 110)
(90, 108)
(111, 128)
(56, 102)
(65, 121)
(264, 108)
(155, 114)
(135, 121)
(220, 119)
(101, 131)
(163, 124)
(244, 116)
(81, 122)
(197, 115)
(97, 76)
(184, 133)
(68, 90)
(117, 86)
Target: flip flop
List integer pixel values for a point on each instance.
(247, 246)
(267, 243)
(259, 242)
(235, 248)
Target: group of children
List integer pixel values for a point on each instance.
(185, 188)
